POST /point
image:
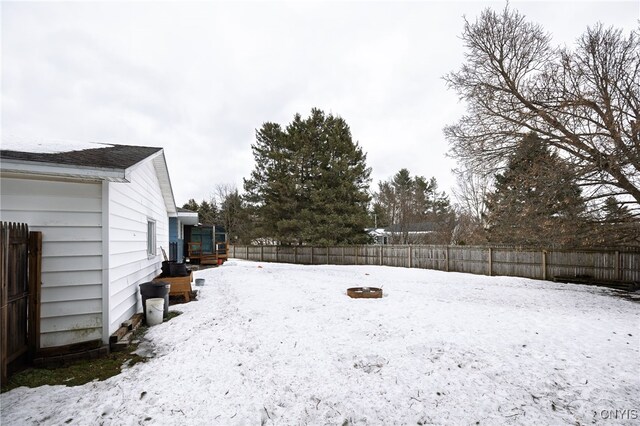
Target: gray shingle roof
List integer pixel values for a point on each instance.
(109, 156)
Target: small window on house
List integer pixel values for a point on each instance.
(151, 237)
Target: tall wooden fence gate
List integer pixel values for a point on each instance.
(20, 281)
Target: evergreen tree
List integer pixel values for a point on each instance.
(234, 217)
(310, 182)
(191, 205)
(207, 211)
(616, 213)
(616, 226)
(536, 200)
(407, 202)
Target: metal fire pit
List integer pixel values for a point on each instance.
(364, 292)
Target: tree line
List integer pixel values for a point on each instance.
(548, 152)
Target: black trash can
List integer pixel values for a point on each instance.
(155, 289)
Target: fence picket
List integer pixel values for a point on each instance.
(600, 264)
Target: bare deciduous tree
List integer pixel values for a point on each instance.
(471, 192)
(583, 102)
(232, 213)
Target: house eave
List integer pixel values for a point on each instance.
(162, 171)
(33, 168)
(188, 218)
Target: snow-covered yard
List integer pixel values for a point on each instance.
(283, 344)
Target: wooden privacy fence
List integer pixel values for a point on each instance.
(596, 265)
(20, 271)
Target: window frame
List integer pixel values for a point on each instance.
(152, 238)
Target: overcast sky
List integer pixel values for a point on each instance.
(198, 78)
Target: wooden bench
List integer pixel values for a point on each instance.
(180, 286)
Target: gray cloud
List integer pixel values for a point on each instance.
(198, 78)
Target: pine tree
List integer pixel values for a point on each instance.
(616, 226)
(405, 202)
(207, 211)
(233, 217)
(536, 200)
(310, 182)
(191, 205)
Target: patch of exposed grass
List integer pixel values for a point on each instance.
(74, 374)
(84, 371)
(171, 315)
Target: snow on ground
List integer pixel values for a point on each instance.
(283, 344)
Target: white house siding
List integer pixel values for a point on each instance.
(69, 215)
(130, 206)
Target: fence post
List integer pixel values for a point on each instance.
(616, 268)
(277, 250)
(312, 255)
(295, 254)
(328, 261)
(446, 259)
(380, 252)
(544, 264)
(342, 257)
(247, 252)
(490, 261)
(410, 259)
(35, 290)
(261, 253)
(4, 312)
(357, 251)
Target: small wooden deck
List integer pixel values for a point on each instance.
(197, 255)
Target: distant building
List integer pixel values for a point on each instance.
(411, 233)
(379, 235)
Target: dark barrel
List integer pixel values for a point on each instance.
(153, 289)
(178, 269)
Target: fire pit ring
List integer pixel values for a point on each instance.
(364, 292)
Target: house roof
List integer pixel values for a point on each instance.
(375, 231)
(104, 156)
(92, 161)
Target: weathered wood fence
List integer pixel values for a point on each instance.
(598, 264)
(20, 272)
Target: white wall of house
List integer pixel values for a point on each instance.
(69, 215)
(130, 207)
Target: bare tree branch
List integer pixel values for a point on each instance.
(584, 102)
